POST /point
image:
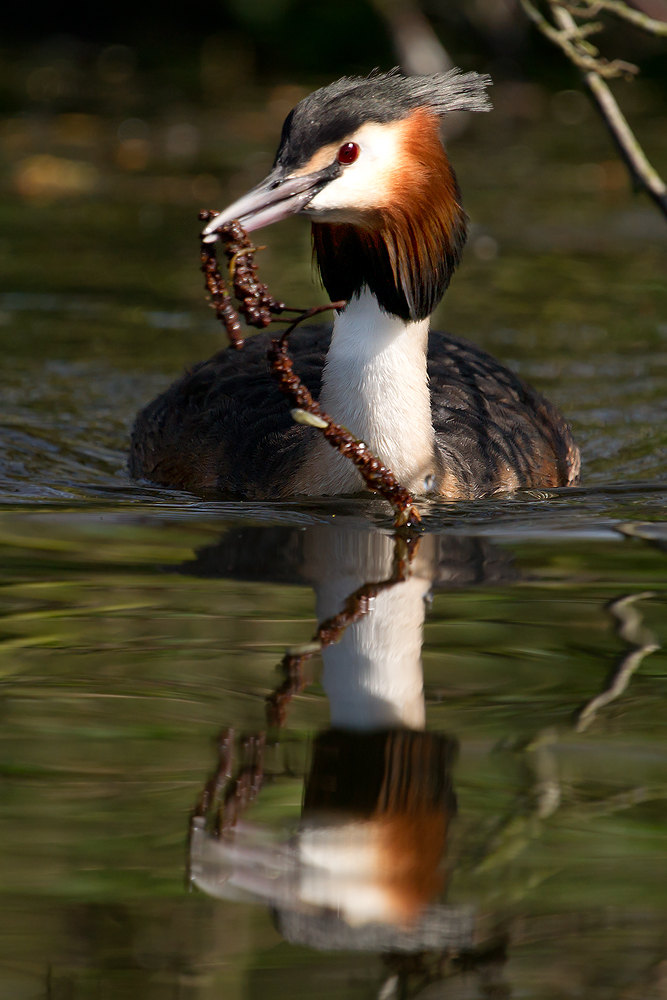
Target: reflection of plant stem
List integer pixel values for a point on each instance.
(520, 829)
(223, 797)
(330, 631)
(570, 37)
(630, 629)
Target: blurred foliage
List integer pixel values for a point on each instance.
(175, 49)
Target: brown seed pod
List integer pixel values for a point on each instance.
(256, 304)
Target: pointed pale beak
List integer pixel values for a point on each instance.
(274, 199)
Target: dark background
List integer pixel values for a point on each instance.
(277, 40)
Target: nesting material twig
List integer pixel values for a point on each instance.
(629, 628)
(357, 604)
(255, 303)
(259, 308)
(376, 476)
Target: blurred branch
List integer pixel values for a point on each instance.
(570, 37)
(629, 628)
(419, 50)
(644, 175)
(591, 8)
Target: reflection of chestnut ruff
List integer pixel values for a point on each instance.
(366, 857)
(390, 791)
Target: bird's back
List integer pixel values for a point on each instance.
(494, 432)
(225, 427)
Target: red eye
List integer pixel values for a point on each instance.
(348, 153)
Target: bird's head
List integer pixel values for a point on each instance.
(363, 159)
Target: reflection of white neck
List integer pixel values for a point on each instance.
(375, 383)
(373, 676)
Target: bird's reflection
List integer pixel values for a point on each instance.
(366, 865)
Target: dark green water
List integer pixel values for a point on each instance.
(137, 623)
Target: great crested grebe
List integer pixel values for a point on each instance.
(363, 159)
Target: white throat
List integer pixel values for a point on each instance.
(375, 383)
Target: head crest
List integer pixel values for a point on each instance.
(387, 96)
(330, 114)
(439, 92)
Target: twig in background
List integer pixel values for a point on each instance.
(643, 174)
(591, 8)
(571, 39)
(417, 45)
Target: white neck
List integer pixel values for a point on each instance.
(375, 383)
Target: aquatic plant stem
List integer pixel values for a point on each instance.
(259, 309)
